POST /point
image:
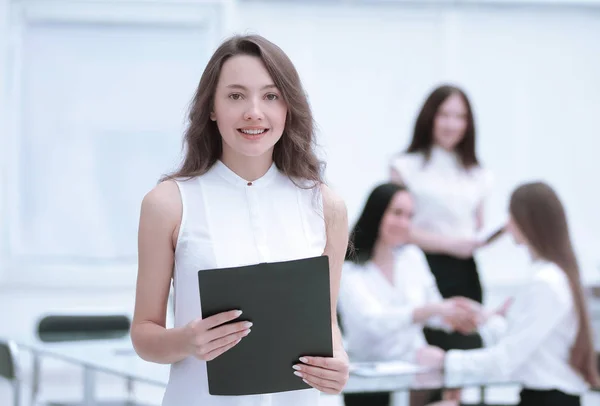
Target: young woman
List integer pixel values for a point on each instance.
(449, 186)
(249, 190)
(545, 341)
(388, 292)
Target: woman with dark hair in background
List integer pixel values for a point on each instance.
(388, 293)
(545, 342)
(449, 186)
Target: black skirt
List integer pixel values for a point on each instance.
(534, 397)
(368, 399)
(454, 277)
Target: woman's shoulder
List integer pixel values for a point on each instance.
(551, 278)
(405, 165)
(411, 159)
(413, 253)
(334, 207)
(163, 203)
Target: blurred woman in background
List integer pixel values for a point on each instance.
(388, 293)
(449, 186)
(545, 342)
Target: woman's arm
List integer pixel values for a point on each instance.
(336, 220)
(479, 216)
(363, 309)
(159, 221)
(435, 243)
(157, 237)
(395, 176)
(529, 327)
(331, 374)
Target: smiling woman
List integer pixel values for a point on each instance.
(250, 125)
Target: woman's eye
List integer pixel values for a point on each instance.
(235, 96)
(272, 96)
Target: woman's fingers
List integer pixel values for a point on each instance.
(326, 374)
(218, 351)
(223, 341)
(223, 331)
(325, 389)
(303, 370)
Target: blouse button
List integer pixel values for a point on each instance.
(249, 183)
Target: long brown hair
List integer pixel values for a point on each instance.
(422, 140)
(539, 214)
(293, 154)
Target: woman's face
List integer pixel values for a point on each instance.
(396, 221)
(450, 122)
(248, 108)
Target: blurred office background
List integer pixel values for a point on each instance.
(93, 96)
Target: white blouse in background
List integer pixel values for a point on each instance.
(446, 195)
(533, 345)
(376, 316)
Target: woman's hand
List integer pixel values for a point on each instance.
(461, 314)
(326, 374)
(500, 311)
(503, 309)
(208, 338)
(431, 356)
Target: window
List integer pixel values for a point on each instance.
(102, 100)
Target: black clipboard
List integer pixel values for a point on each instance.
(289, 305)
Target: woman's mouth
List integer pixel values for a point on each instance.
(252, 133)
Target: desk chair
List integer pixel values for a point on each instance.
(9, 368)
(80, 327)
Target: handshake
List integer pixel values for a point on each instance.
(465, 315)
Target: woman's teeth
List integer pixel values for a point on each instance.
(253, 132)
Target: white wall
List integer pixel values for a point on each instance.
(531, 72)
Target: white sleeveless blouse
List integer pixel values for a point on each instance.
(229, 222)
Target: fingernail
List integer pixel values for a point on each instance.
(296, 367)
(305, 381)
(248, 324)
(304, 359)
(298, 374)
(238, 313)
(247, 332)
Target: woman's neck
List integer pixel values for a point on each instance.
(246, 167)
(443, 150)
(383, 257)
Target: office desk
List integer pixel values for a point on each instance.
(117, 357)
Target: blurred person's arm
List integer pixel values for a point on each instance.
(362, 309)
(436, 243)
